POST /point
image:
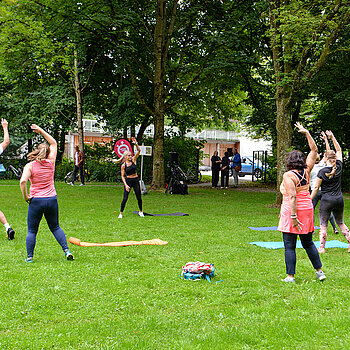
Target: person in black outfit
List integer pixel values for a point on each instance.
(131, 179)
(332, 198)
(215, 169)
(225, 161)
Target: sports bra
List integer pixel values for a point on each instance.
(130, 170)
(303, 182)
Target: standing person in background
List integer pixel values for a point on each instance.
(225, 162)
(332, 198)
(215, 169)
(9, 230)
(78, 166)
(297, 212)
(42, 198)
(236, 167)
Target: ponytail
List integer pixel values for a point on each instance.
(42, 152)
(331, 157)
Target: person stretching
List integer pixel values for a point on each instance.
(332, 198)
(9, 230)
(297, 211)
(130, 178)
(42, 198)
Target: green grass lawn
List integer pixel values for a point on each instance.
(133, 297)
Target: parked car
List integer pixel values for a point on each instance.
(247, 167)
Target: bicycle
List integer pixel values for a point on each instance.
(69, 177)
(192, 175)
(11, 172)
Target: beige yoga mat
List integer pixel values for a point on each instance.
(155, 241)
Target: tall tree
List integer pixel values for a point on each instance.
(303, 35)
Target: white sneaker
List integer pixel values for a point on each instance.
(82, 185)
(141, 214)
(320, 275)
(71, 183)
(289, 279)
(120, 216)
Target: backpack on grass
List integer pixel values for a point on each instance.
(197, 270)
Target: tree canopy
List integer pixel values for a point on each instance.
(192, 63)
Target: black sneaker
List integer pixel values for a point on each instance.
(10, 233)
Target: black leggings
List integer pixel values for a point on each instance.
(132, 182)
(329, 204)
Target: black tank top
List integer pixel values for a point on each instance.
(130, 170)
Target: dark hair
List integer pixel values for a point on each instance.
(226, 154)
(296, 160)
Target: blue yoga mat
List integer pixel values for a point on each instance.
(279, 245)
(271, 228)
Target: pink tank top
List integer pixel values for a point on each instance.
(42, 179)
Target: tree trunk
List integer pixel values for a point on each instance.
(284, 136)
(159, 92)
(143, 127)
(78, 96)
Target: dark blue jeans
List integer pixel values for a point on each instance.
(290, 242)
(49, 208)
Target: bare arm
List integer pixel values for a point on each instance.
(311, 158)
(6, 141)
(324, 136)
(52, 142)
(27, 172)
(122, 171)
(138, 149)
(317, 187)
(119, 160)
(290, 183)
(337, 147)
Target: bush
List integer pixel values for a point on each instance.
(101, 168)
(63, 169)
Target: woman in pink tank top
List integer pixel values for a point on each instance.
(42, 198)
(297, 211)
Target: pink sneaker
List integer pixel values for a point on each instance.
(322, 250)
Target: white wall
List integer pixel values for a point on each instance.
(248, 145)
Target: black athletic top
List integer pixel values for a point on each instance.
(130, 170)
(302, 176)
(331, 186)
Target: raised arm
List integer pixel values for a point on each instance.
(6, 141)
(337, 147)
(138, 149)
(311, 158)
(52, 142)
(325, 139)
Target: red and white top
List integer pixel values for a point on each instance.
(42, 179)
(305, 209)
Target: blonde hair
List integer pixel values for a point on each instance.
(42, 152)
(126, 153)
(332, 158)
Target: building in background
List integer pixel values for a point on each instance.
(216, 140)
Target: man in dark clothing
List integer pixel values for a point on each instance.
(215, 169)
(225, 161)
(78, 166)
